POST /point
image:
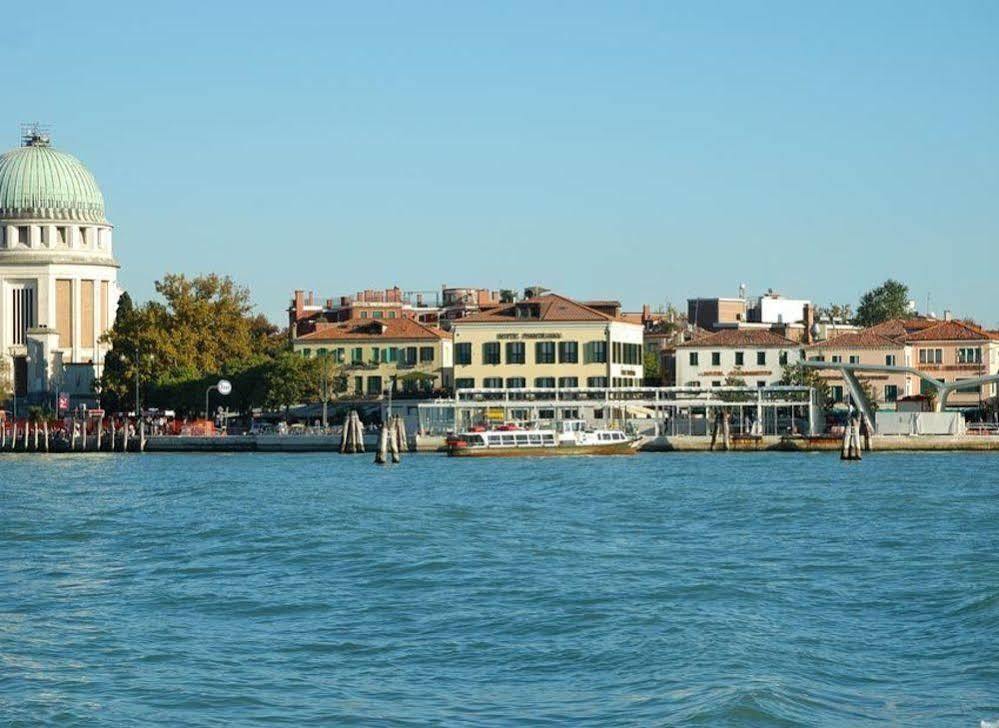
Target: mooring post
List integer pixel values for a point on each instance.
(381, 455)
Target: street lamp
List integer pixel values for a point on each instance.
(223, 387)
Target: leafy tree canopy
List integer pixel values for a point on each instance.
(887, 301)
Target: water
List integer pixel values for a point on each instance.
(718, 590)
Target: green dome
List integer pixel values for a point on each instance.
(40, 183)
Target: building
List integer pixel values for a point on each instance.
(871, 348)
(946, 350)
(380, 353)
(546, 341)
(754, 356)
(58, 276)
(712, 313)
(773, 308)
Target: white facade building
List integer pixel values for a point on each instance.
(755, 356)
(58, 275)
(772, 308)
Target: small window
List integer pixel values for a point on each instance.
(493, 382)
(491, 352)
(515, 352)
(462, 383)
(782, 358)
(463, 353)
(693, 358)
(890, 360)
(761, 358)
(854, 359)
(23, 235)
(740, 358)
(715, 358)
(516, 382)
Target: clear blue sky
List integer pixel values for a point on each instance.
(645, 151)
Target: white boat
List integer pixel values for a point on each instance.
(571, 438)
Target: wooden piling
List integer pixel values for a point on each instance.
(393, 427)
(345, 435)
(45, 430)
(100, 431)
(112, 434)
(381, 455)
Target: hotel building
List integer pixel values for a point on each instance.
(547, 341)
(756, 356)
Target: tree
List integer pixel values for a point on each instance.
(202, 328)
(324, 379)
(798, 375)
(652, 370)
(507, 296)
(888, 301)
(285, 381)
(6, 379)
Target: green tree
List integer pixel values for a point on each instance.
(887, 301)
(200, 329)
(798, 375)
(286, 381)
(652, 370)
(507, 296)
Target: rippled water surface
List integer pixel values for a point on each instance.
(720, 590)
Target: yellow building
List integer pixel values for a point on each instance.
(547, 341)
(377, 353)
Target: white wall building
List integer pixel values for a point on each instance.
(755, 356)
(772, 308)
(58, 275)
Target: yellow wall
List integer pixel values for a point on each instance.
(529, 333)
(343, 352)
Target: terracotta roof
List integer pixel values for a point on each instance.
(896, 328)
(741, 337)
(865, 339)
(950, 331)
(362, 329)
(547, 307)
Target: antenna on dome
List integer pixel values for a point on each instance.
(35, 135)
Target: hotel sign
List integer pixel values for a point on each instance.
(551, 335)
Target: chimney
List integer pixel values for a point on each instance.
(646, 313)
(299, 305)
(947, 315)
(329, 303)
(808, 318)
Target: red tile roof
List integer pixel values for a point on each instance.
(950, 331)
(367, 329)
(742, 337)
(547, 307)
(864, 339)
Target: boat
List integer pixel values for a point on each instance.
(571, 438)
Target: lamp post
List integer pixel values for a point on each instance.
(223, 387)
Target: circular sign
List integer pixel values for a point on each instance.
(225, 386)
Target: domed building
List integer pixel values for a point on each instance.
(58, 275)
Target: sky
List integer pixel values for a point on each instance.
(644, 151)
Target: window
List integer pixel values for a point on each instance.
(306, 353)
(377, 314)
(596, 352)
(375, 355)
(24, 235)
(836, 393)
(493, 382)
(359, 385)
(515, 352)
(818, 357)
(596, 381)
(761, 357)
(22, 313)
(890, 361)
(693, 358)
(761, 383)
(364, 314)
(568, 382)
(391, 354)
(462, 354)
(545, 382)
(694, 384)
(716, 383)
(740, 358)
(61, 236)
(782, 358)
(322, 351)
(854, 358)
(374, 385)
(837, 358)
(410, 355)
(969, 355)
(491, 352)
(544, 352)
(357, 355)
(461, 383)
(391, 314)
(515, 382)
(568, 352)
(891, 392)
(426, 353)
(716, 358)
(931, 356)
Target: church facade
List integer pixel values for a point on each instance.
(58, 276)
